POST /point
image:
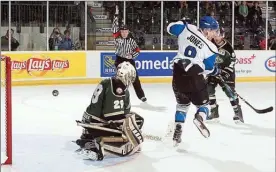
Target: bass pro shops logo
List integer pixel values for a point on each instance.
(39, 65)
(109, 64)
(270, 64)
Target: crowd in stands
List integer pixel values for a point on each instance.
(32, 14)
(144, 20)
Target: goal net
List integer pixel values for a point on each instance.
(6, 127)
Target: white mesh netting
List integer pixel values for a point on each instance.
(3, 112)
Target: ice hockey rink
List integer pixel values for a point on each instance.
(44, 126)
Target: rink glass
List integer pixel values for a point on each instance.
(89, 23)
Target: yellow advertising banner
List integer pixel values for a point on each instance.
(39, 65)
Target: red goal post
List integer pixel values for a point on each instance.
(6, 109)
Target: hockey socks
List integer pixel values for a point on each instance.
(180, 118)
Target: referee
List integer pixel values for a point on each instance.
(126, 50)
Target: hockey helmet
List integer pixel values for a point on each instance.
(208, 22)
(126, 73)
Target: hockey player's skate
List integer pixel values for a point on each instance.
(91, 149)
(198, 121)
(238, 117)
(177, 134)
(214, 117)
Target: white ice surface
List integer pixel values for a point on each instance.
(44, 126)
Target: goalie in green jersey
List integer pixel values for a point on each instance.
(108, 124)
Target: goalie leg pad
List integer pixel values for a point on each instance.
(132, 131)
(139, 120)
(123, 149)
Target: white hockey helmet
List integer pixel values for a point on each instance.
(126, 73)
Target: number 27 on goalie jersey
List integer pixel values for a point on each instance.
(193, 45)
(105, 103)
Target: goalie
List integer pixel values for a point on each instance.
(108, 124)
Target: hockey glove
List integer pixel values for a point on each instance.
(225, 74)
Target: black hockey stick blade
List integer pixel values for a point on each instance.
(260, 111)
(269, 109)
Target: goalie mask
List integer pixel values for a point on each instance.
(126, 73)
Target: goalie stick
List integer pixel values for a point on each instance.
(234, 96)
(100, 126)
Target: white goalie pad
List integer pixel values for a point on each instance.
(132, 131)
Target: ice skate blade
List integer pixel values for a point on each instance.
(238, 122)
(202, 128)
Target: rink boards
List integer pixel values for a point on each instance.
(87, 67)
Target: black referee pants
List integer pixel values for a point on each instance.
(137, 84)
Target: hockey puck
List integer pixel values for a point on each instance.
(55, 92)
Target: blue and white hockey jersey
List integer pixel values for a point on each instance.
(193, 45)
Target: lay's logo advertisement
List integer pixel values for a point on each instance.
(48, 65)
(270, 64)
(39, 66)
(147, 64)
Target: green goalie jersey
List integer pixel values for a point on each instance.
(106, 104)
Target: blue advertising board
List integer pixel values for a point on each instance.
(147, 64)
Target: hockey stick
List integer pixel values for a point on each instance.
(260, 111)
(234, 96)
(99, 126)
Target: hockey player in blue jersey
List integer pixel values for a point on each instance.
(195, 58)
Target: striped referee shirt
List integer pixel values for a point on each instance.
(124, 46)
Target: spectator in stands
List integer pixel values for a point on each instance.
(5, 42)
(255, 24)
(258, 11)
(66, 42)
(262, 44)
(225, 11)
(272, 44)
(184, 10)
(211, 13)
(269, 29)
(251, 12)
(205, 8)
(213, 9)
(236, 10)
(243, 11)
(55, 39)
